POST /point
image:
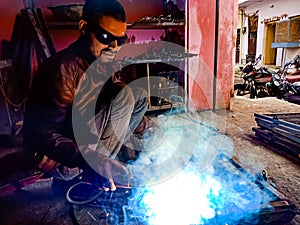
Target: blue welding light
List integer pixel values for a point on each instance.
(184, 199)
(204, 188)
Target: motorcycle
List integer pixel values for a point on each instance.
(285, 85)
(292, 92)
(286, 90)
(275, 86)
(281, 88)
(291, 70)
(254, 80)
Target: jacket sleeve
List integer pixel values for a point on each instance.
(48, 116)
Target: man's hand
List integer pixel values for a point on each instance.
(115, 173)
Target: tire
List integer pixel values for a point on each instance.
(239, 88)
(252, 92)
(293, 99)
(262, 94)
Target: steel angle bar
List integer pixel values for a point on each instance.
(267, 137)
(283, 147)
(256, 115)
(281, 129)
(276, 120)
(294, 131)
(288, 128)
(273, 138)
(279, 145)
(280, 134)
(286, 133)
(283, 114)
(263, 119)
(290, 117)
(265, 124)
(293, 146)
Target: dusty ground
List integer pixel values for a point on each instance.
(38, 205)
(284, 173)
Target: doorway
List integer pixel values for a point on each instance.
(269, 52)
(238, 45)
(252, 38)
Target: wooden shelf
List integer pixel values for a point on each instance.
(147, 61)
(74, 25)
(63, 25)
(162, 25)
(164, 107)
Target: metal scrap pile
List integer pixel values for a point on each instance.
(281, 132)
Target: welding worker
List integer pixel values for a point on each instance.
(75, 82)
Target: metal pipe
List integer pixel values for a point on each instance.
(216, 55)
(186, 72)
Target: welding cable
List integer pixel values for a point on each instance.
(81, 200)
(10, 101)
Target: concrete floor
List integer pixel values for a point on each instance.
(45, 203)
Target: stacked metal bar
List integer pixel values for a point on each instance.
(281, 132)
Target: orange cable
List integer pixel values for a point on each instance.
(9, 101)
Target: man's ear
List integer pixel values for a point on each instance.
(82, 26)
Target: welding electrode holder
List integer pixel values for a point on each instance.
(83, 193)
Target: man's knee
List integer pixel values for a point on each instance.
(140, 97)
(125, 96)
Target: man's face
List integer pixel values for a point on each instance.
(107, 36)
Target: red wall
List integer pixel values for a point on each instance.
(202, 41)
(8, 11)
(135, 9)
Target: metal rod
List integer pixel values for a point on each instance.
(186, 73)
(149, 87)
(216, 55)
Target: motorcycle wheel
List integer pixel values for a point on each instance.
(239, 92)
(293, 99)
(252, 92)
(262, 94)
(240, 89)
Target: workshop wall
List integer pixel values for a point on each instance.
(8, 11)
(200, 34)
(135, 9)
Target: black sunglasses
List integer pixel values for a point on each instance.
(106, 38)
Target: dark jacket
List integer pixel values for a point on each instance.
(48, 112)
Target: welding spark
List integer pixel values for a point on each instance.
(92, 216)
(184, 199)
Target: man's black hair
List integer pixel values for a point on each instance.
(93, 10)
